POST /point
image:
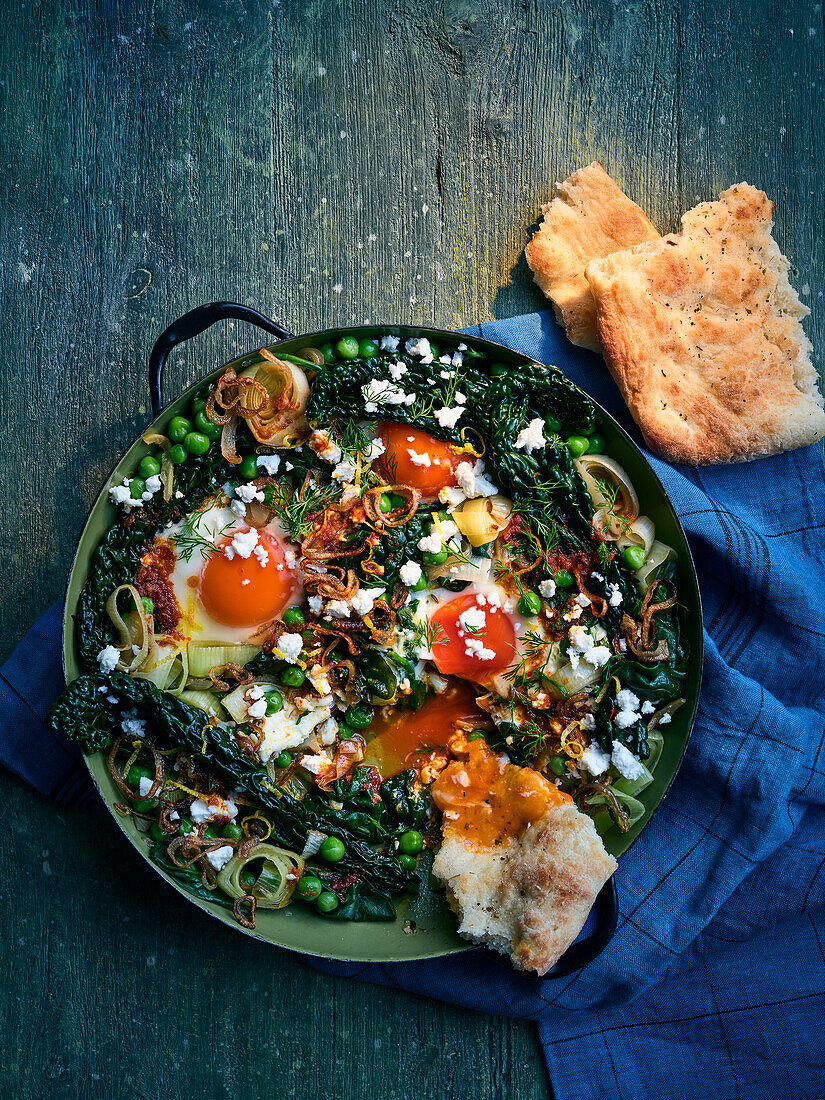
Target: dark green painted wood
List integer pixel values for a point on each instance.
(328, 162)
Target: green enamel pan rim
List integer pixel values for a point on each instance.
(298, 928)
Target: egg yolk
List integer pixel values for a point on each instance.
(244, 592)
(400, 733)
(472, 652)
(414, 458)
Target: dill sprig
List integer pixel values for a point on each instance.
(189, 538)
(297, 508)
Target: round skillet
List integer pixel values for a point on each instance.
(299, 928)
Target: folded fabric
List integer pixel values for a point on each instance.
(714, 984)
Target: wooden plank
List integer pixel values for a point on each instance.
(329, 163)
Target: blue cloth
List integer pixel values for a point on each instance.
(714, 984)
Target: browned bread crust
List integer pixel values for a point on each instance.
(528, 898)
(701, 331)
(590, 217)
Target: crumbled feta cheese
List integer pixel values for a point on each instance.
(614, 594)
(460, 397)
(375, 450)
(215, 808)
(290, 645)
(448, 418)
(628, 714)
(647, 707)
(242, 544)
(531, 438)
(364, 600)
(153, 484)
(323, 446)
(625, 762)
(582, 600)
(452, 496)
(474, 647)
(315, 604)
(249, 492)
(257, 709)
(316, 762)
(588, 721)
(547, 588)
(145, 785)
(665, 719)
(134, 727)
(417, 459)
(474, 618)
(410, 573)
(293, 726)
(421, 348)
(317, 676)
(431, 543)
(597, 576)
(237, 508)
(583, 646)
(108, 658)
(121, 494)
(345, 470)
(338, 609)
(594, 760)
(390, 343)
(219, 857)
(472, 481)
(378, 392)
(269, 463)
(397, 371)
(261, 554)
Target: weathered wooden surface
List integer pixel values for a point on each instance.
(327, 162)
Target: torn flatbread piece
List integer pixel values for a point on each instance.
(702, 332)
(521, 865)
(590, 217)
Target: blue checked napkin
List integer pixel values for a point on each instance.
(714, 984)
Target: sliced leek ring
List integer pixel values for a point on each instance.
(204, 656)
(276, 877)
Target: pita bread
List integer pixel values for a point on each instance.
(529, 897)
(590, 217)
(701, 331)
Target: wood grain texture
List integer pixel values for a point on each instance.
(327, 162)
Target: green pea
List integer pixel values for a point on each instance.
(396, 500)
(332, 850)
(283, 760)
(634, 557)
(185, 826)
(156, 833)
(248, 468)
(347, 347)
(138, 772)
(232, 830)
(420, 584)
(596, 445)
(328, 353)
(558, 764)
(529, 604)
(293, 677)
(210, 832)
(326, 901)
(149, 466)
(177, 454)
(411, 842)
(198, 405)
(248, 879)
(179, 428)
(137, 487)
(148, 605)
(294, 616)
(367, 349)
(407, 862)
(551, 426)
(196, 443)
(577, 445)
(308, 888)
(205, 425)
(438, 557)
(563, 578)
(145, 805)
(274, 703)
(358, 717)
(384, 503)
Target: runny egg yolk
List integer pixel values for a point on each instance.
(485, 798)
(241, 591)
(414, 458)
(472, 653)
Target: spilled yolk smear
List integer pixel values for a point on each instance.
(431, 726)
(485, 799)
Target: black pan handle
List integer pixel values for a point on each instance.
(585, 951)
(192, 324)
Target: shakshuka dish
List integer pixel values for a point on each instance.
(378, 613)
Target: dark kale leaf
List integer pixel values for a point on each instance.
(406, 799)
(188, 877)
